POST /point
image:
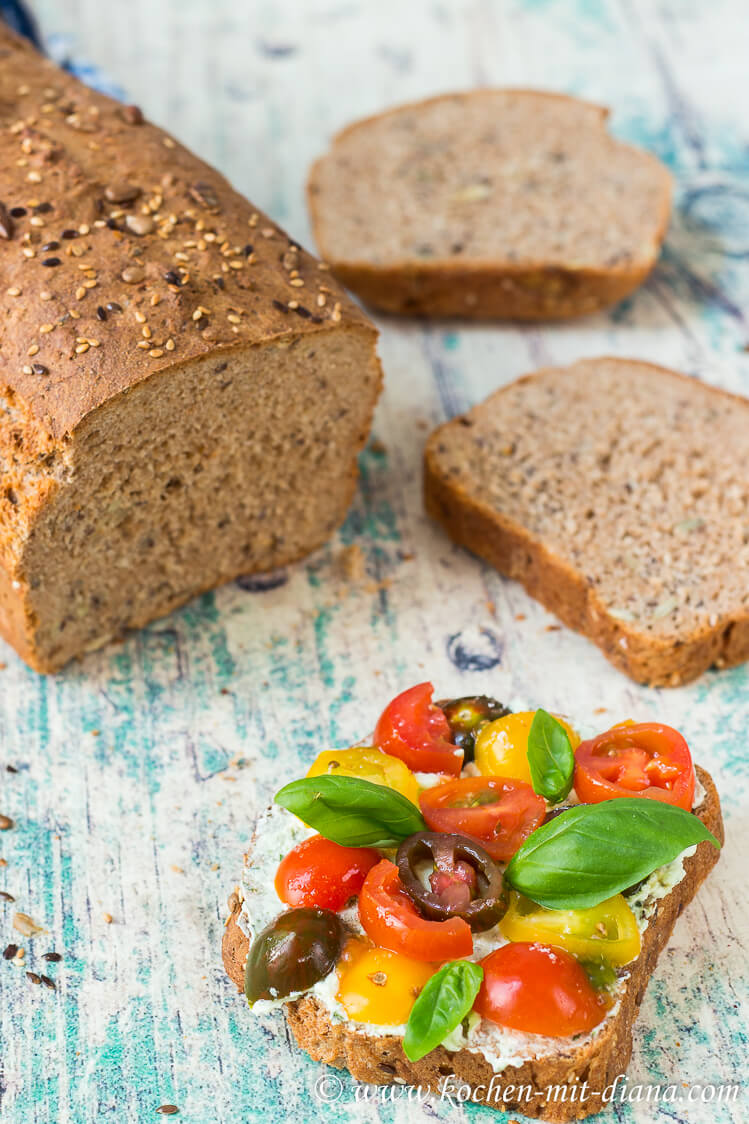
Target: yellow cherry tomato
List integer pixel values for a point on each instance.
(379, 986)
(502, 746)
(607, 931)
(367, 764)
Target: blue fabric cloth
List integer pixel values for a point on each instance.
(17, 17)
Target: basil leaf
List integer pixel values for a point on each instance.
(442, 1004)
(593, 851)
(550, 757)
(352, 812)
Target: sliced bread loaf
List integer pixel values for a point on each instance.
(184, 390)
(491, 203)
(617, 493)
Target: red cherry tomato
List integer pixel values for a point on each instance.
(320, 873)
(497, 812)
(538, 989)
(648, 760)
(412, 728)
(391, 920)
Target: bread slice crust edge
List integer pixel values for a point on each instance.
(446, 287)
(380, 1060)
(518, 554)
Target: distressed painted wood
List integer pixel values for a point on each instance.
(140, 770)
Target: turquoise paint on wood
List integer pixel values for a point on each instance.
(202, 716)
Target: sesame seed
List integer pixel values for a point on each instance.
(81, 349)
(143, 344)
(33, 350)
(84, 228)
(236, 264)
(155, 299)
(168, 142)
(233, 318)
(45, 295)
(169, 345)
(147, 333)
(34, 177)
(140, 316)
(293, 304)
(80, 293)
(27, 370)
(46, 329)
(156, 353)
(14, 291)
(90, 283)
(297, 282)
(36, 221)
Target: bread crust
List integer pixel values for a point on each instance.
(564, 590)
(90, 145)
(530, 291)
(380, 1060)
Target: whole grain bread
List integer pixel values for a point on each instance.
(380, 1060)
(616, 492)
(183, 390)
(491, 203)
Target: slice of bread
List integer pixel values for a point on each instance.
(490, 203)
(380, 1059)
(616, 492)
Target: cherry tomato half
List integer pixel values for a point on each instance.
(320, 873)
(607, 931)
(367, 764)
(391, 920)
(645, 759)
(376, 985)
(502, 746)
(412, 728)
(498, 813)
(538, 989)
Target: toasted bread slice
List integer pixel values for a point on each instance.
(490, 203)
(380, 1060)
(616, 492)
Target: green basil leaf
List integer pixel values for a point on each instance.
(352, 812)
(593, 851)
(550, 757)
(442, 1004)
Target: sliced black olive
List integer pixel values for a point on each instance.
(557, 811)
(292, 953)
(468, 716)
(464, 881)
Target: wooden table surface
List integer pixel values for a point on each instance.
(141, 769)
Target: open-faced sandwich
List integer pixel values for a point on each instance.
(478, 895)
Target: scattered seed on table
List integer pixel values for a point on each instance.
(48, 982)
(33, 977)
(6, 823)
(53, 957)
(168, 1109)
(10, 952)
(6, 897)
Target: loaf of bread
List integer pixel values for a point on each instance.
(617, 493)
(491, 203)
(184, 390)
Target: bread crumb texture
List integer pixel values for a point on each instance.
(617, 493)
(184, 389)
(510, 203)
